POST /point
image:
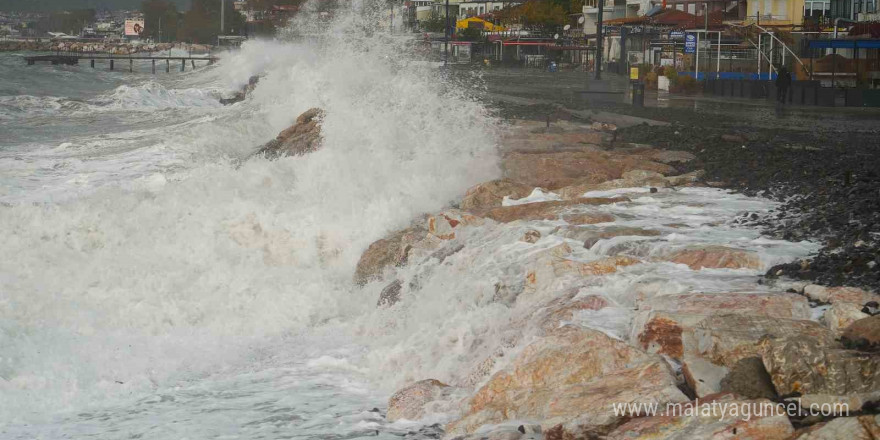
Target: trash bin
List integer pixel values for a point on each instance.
(638, 94)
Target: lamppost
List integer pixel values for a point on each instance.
(446, 40)
(601, 5)
(222, 17)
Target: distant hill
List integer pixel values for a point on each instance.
(59, 5)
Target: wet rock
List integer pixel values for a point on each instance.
(733, 138)
(687, 179)
(591, 235)
(570, 377)
(853, 428)
(749, 378)
(387, 252)
(410, 402)
(550, 268)
(702, 422)
(544, 210)
(588, 218)
(831, 295)
(243, 93)
(716, 257)
(556, 170)
(725, 339)
(841, 315)
(390, 294)
(719, 327)
(562, 310)
(863, 334)
(304, 136)
(702, 376)
(490, 194)
(821, 372)
(672, 156)
(531, 236)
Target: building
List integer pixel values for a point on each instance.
(477, 8)
(856, 10)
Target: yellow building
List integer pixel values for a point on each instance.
(776, 12)
(479, 23)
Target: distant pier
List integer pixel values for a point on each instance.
(72, 59)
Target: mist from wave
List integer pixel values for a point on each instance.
(155, 261)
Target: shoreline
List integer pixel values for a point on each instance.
(97, 47)
(559, 302)
(817, 164)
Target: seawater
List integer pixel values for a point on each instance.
(157, 283)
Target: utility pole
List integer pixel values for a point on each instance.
(391, 25)
(446, 41)
(160, 28)
(222, 17)
(599, 39)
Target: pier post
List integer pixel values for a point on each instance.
(130, 65)
(193, 64)
(92, 62)
(111, 64)
(167, 65)
(154, 67)
(182, 64)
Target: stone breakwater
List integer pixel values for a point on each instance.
(104, 48)
(627, 283)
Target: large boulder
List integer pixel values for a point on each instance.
(842, 315)
(851, 428)
(748, 378)
(821, 372)
(571, 377)
(304, 136)
(706, 420)
(387, 252)
(553, 266)
(832, 295)
(548, 210)
(863, 334)
(411, 402)
(676, 324)
(716, 257)
(243, 92)
(490, 194)
(552, 170)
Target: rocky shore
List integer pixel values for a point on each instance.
(108, 48)
(629, 282)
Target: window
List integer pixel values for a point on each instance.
(818, 8)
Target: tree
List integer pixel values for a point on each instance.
(68, 22)
(535, 13)
(201, 24)
(160, 16)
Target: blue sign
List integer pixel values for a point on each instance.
(690, 43)
(676, 35)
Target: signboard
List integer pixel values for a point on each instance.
(634, 73)
(676, 35)
(690, 43)
(134, 27)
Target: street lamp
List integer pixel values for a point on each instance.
(601, 5)
(446, 40)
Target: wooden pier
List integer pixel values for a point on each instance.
(72, 59)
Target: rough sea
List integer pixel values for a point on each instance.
(157, 282)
